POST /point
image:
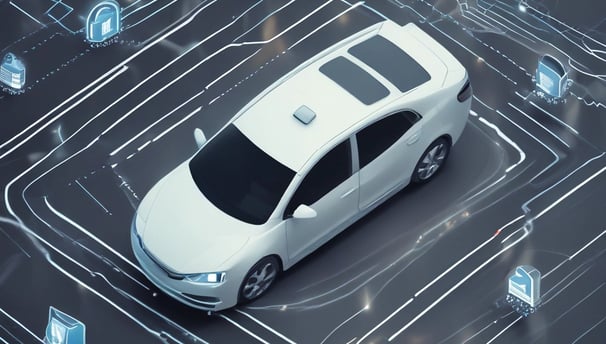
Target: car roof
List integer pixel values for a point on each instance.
(336, 87)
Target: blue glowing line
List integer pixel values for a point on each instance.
(27, 14)
(93, 197)
(58, 21)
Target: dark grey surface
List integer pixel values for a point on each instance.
(391, 62)
(355, 80)
(431, 257)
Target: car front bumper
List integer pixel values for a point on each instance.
(212, 297)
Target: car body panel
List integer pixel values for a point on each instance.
(305, 235)
(216, 234)
(202, 239)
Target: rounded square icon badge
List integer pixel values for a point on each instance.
(103, 21)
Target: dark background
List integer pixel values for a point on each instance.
(524, 185)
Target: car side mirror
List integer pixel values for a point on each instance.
(199, 137)
(304, 212)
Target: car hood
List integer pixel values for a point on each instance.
(183, 231)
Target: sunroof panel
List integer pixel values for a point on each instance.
(391, 62)
(354, 80)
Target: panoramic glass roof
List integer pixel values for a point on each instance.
(354, 80)
(391, 62)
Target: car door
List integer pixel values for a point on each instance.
(331, 189)
(388, 151)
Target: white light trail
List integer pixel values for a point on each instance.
(93, 197)
(263, 20)
(559, 200)
(365, 308)
(243, 329)
(410, 323)
(176, 124)
(267, 327)
(503, 330)
(122, 70)
(27, 14)
(385, 320)
(540, 125)
(21, 325)
(117, 150)
(111, 71)
(506, 139)
(554, 117)
(90, 235)
(326, 23)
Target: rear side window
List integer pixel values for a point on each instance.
(379, 136)
(333, 169)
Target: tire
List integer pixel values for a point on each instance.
(431, 161)
(259, 279)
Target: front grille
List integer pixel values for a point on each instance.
(170, 274)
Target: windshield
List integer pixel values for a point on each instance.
(238, 177)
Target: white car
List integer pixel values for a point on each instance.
(306, 158)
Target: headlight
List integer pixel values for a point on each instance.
(211, 277)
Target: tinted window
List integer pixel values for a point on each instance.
(391, 62)
(355, 80)
(238, 177)
(377, 137)
(330, 171)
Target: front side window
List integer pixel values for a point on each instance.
(379, 136)
(333, 169)
(239, 178)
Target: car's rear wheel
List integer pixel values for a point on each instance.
(431, 161)
(259, 278)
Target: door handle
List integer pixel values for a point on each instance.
(349, 192)
(414, 138)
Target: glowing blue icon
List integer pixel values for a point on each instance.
(12, 72)
(103, 21)
(525, 284)
(552, 77)
(63, 329)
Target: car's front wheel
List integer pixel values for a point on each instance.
(431, 161)
(259, 278)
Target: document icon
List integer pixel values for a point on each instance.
(63, 329)
(12, 72)
(525, 284)
(103, 21)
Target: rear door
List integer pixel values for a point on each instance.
(388, 151)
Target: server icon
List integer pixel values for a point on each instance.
(103, 21)
(551, 77)
(12, 72)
